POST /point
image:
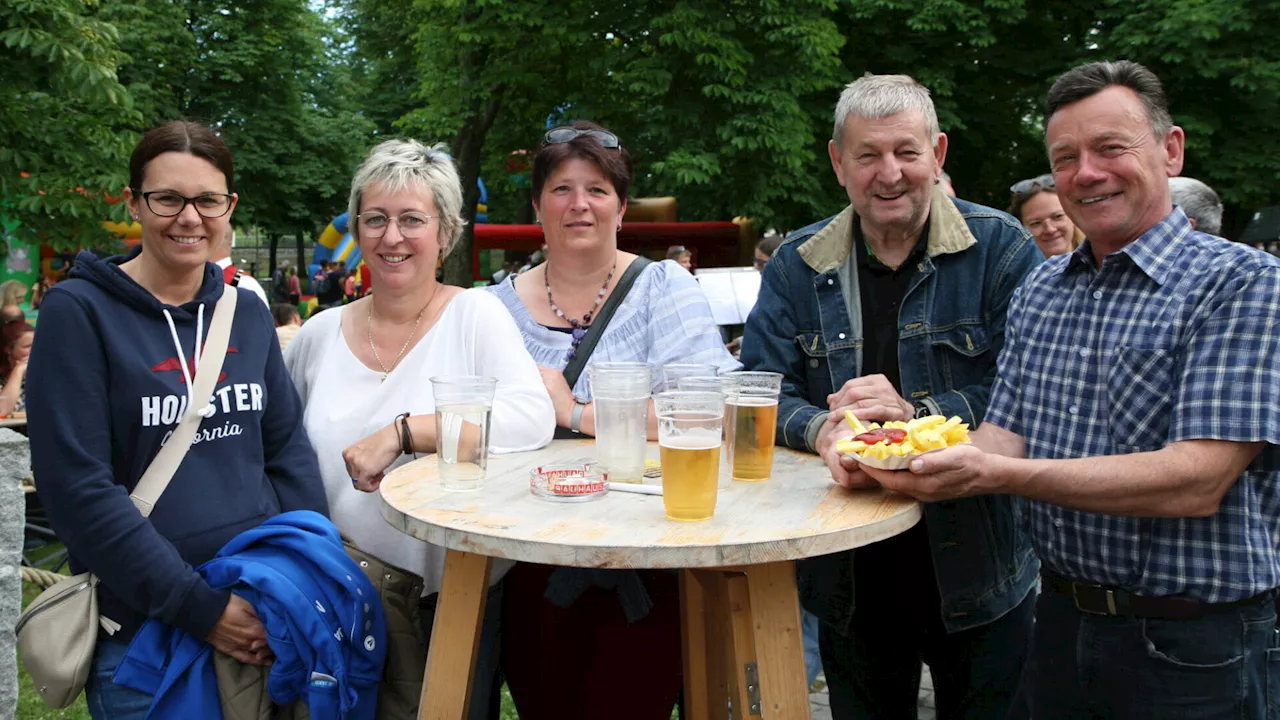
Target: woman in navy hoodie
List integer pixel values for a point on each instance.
(110, 375)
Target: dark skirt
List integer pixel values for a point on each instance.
(587, 661)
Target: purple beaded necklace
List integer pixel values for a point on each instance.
(579, 326)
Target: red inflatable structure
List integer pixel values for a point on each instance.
(648, 229)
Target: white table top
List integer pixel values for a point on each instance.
(799, 512)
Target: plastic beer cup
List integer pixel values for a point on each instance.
(689, 427)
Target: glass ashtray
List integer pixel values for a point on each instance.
(569, 482)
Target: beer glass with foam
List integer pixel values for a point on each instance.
(689, 426)
(752, 402)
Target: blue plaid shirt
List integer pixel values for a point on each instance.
(1176, 337)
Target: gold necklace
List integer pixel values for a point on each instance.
(403, 348)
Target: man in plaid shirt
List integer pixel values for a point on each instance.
(1138, 411)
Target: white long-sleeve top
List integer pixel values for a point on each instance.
(344, 401)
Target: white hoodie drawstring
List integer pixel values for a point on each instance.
(208, 410)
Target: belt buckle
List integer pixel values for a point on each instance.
(1110, 595)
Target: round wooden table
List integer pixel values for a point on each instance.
(741, 618)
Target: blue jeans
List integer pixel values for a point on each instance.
(809, 626)
(106, 700)
(1224, 665)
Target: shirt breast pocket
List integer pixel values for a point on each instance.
(817, 366)
(959, 351)
(1139, 389)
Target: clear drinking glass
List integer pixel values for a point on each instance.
(620, 393)
(463, 405)
(673, 373)
(716, 385)
(752, 411)
(689, 427)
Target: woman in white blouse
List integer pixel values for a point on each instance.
(360, 367)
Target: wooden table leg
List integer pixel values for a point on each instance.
(706, 695)
(717, 645)
(744, 682)
(779, 641)
(455, 637)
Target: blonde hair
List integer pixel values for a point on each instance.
(12, 292)
(397, 165)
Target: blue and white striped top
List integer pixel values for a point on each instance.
(664, 319)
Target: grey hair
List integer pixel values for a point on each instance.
(1084, 81)
(398, 165)
(1199, 202)
(877, 96)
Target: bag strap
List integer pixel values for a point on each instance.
(166, 462)
(574, 369)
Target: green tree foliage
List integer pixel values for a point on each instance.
(270, 76)
(60, 105)
(1220, 65)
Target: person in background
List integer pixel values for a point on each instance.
(220, 255)
(110, 374)
(318, 279)
(288, 322)
(382, 351)
(581, 176)
(1037, 207)
(16, 337)
(279, 288)
(682, 255)
(12, 294)
(765, 249)
(895, 309)
(1201, 204)
(39, 290)
(944, 182)
(295, 287)
(1135, 414)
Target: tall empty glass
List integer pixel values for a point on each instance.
(620, 393)
(689, 425)
(752, 400)
(673, 373)
(463, 404)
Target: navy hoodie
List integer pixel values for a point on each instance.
(106, 387)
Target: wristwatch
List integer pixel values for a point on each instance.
(575, 420)
(922, 410)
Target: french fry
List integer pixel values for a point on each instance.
(933, 432)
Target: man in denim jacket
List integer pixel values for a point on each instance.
(895, 308)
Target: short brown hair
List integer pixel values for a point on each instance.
(182, 137)
(615, 164)
(1087, 80)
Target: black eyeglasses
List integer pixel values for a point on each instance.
(167, 203)
(556, 136)
(1024, 187)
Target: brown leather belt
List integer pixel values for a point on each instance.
(1102, 600)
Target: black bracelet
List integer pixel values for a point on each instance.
(406, 437)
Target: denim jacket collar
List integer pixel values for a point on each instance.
(830, 246)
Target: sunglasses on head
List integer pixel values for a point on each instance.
(556, 136)
(1023, 187)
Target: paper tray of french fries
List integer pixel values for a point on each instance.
(891, 446)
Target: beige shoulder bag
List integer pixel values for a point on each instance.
(59, 629)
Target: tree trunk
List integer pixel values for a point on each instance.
(273, 242)
(467, 146)
(301, 238)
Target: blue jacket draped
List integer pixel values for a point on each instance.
(323, 618)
